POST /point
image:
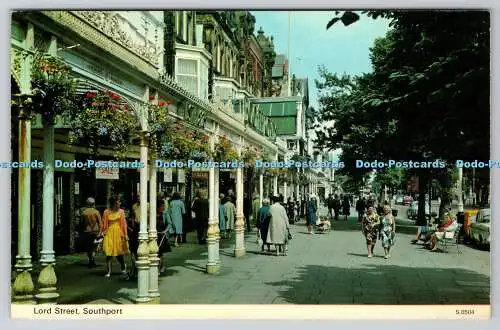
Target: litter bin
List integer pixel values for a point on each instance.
(394, 212)
(461, 220)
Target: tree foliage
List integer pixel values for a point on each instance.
(427, 98)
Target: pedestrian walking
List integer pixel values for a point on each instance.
(370, 225)
(255, 210)
(279, 227)
(290, 207)
(387, 231)
(329, 204)
(115, 243)
(360, 208)
(311, 213)
(337, 205)
(92, 227)
(222, 218)
(176, 211)
(346, 207)
(303, 207)
(200, 208)
(263, 224)
(229, 215)
(162, 227)
(247, 210)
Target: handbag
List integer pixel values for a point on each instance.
(260, 242)
(125, 247)
(289, 235)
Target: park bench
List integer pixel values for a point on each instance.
(450, 238)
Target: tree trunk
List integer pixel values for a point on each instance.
(447, 183)
(446, 199)
(423, 179)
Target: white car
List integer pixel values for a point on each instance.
(479, 230)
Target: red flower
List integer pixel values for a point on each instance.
(163, 103)
(204, 138)
(151, 97)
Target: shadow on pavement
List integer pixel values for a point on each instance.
(385, 285)
(78, 284)
(364, 255)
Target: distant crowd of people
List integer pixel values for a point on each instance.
(115, 231)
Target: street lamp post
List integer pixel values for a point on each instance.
(216, 208)
(239, 225)
(23, 286)
(143, 249)
(459, 191)
(261, 187)
(154, 293)
(275, 181)
(213, 228)
(47, 280)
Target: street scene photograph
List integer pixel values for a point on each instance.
(250, 157)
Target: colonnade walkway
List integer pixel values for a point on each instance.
(327, 268)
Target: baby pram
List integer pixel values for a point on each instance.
(323, 225)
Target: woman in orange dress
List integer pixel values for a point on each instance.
(115, 243)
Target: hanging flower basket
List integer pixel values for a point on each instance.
(160, 126)
(182, 144)
(103, 119)
(224, 151)
(249, 156)
(53, 87)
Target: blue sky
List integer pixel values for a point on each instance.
(341, 49)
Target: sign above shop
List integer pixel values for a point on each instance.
(107, 173)
(167, 175)
(199, 175)
(181, 176)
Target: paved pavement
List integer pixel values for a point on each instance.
(327, 268)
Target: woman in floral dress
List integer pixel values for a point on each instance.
(370, 225)
(387, 231)
(115, 243)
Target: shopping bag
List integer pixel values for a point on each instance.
(260, 242)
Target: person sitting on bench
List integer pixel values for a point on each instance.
(426, 230)
(449, 224)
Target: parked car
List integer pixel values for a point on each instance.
(412, 212)
(399, 200)
(407, 200)
(479, 230)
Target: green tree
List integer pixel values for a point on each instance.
(427, 97)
